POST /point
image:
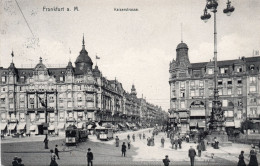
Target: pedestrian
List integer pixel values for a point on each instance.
(179, 142)
(46, 143)
(203, 145)
(241, 161)
(128, 137)
(133, 136)
(15, 162)
(140, 136)
(148, 141)
(57, 151)
(162, 141)
(216, 143)
(199, 148)
(90, 157)
(166, 161)
(53, 159)
(192, 154)
(19, 160)
(152, 141)
(129, 144)
(176, 143)
(259, 146)
(143, 136)
(253, 159)
(187, 138)
(172, 142)
(123, 149)
(117, 141)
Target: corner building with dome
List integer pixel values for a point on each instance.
(78, 95)
(191, 92)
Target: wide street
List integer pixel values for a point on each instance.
(105, 152)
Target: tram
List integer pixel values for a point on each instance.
(104, 133)
(75, 135)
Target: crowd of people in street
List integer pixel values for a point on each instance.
(176, 140)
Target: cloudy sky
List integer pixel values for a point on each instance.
(134, 46)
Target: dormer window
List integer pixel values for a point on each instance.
(239, 69)
(252, 67)
(223, 70)
(210, 71)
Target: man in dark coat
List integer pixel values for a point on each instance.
(179, 142)
(192, 154)
(199, 148)
(123, 149)
(57, 151)
(166, 161)
(133, 137)
(162, 141)
(128, 137)
(90, 157)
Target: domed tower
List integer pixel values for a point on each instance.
(133, 90)
(182, 58)
(83, 62)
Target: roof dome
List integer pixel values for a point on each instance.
(83, 55)
(182, 45)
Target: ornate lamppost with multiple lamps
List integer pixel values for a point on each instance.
(216, 127)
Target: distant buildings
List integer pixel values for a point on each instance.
(77, 95)
(191, 91)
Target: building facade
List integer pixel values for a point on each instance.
(77, 95)
(192, 85)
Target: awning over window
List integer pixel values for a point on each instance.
(32, 127)
(3, 126)
(51, 127)
(193, 123)
(121, 125)
(80, 125)
(12, 126)
(197, 112)
(230, 124)
(61, 126)
(21, 126)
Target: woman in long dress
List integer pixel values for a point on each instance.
(253, 159)
(241, 161)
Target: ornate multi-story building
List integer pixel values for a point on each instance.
(192, 84)
(77, 95)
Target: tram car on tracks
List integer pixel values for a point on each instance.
(75, 135)
(104, 133)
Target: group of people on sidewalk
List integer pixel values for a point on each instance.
(253, 159)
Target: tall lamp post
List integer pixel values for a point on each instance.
(44, 104)
(217, 118)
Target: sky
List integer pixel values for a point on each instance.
(135, 47)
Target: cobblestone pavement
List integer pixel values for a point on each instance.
(105, 153)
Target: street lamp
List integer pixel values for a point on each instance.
(217, 117)
(44, 104)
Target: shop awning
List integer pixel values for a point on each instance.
(121, 125)
(80, 125)
(51, 127)
(193, 123)
(128, 124)
(230, 124)
(12, 126)
(32, 127)
(3, 126)
(61, 126)
(21, 126)
(197, 112)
